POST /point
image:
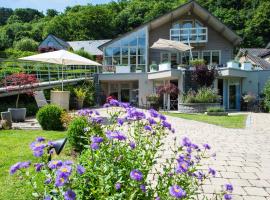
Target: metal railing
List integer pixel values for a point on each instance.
(189, 35)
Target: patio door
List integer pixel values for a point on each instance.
(234, 97)
(125, 95)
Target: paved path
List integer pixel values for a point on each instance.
(243, 155)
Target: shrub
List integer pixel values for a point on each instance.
(76, 133)
(215, 109)
(204, 95)
(49, 117)
(26, 44)
(266, 93)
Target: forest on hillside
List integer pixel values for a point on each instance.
(22, 29)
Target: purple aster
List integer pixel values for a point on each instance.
(177, 192)
(25, 164)
(48, 198)
(182, 167)
(148, 128)
(212, 171)
(162, 117)
(166, 124)
(157, 198)
(55, 164)
(68, 162)
(125, 105)
(186, 142)
(64, 170)
(136, 175)
(61, 180)
(115, 135)
(80, 169)
(229, 187)
(114, 102)
(94, 146)
(48, 181)
(38, 166)
(153, 113)
(38, 153)
(120, 121)
(97, 120)
(96, 113)
(96, 139)
(69, 195)
(40, 139)
(132, 145)
(227, 196)
(151, 121)
(106, 105)
(143, 188)
(207, 146)
(117, 186)
(37, 146)
(14, 168)
(134, 114)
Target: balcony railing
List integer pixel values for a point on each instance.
(190, 35)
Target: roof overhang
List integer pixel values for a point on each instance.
(232, 73)
(165, 75)
(121, 76)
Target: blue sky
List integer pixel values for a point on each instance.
(43, 5)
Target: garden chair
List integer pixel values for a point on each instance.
(40, 99)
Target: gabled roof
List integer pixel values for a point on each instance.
(254, 54)
(61, 42)
(90, 46)
(191, 6)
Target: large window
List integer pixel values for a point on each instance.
(211, 57)
(128, 51)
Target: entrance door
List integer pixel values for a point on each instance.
(125, 95)
(232, 97)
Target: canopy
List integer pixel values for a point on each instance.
(61, 57)
(170, 45)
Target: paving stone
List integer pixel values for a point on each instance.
(259, 183)
(234, 169)
(239, 182)
(254, 198)
(248, 175)
(256, 191)
(229, 175)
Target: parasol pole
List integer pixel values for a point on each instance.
(62, 76)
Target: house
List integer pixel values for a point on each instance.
(52, 43)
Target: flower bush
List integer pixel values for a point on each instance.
(122, 160)
(203, 95)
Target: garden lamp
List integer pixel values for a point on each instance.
(58, 146)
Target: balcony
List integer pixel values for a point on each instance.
(189, 35)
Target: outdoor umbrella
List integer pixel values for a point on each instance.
(170, 45)
(61, 57)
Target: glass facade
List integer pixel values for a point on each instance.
(130, 50)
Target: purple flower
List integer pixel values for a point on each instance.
(186, 142)
(48, 198)
(37, 146)
(120, 121)
(134, 114)
(69, 195)
(227, 196)
(61, 180)
(117, 186)
(114, 102)
(212, 171)
(106, 105)
(55, 164)
(125, 105)
(25, 164)
(151, 121)
(38, 153)
(177, 192)
(207, 146)
(166, 124)
(40, 139)
(148, 128)
(115, 135)
(14, 168)
(229, 187)
(48, 181)
(96, 139)
(136, 175)
(153, 113)
(38, 166)
(143, 188)
(68, 162)
(157, 198)
(96, 113)
(132, 145)
(173, 130)
(162, 117)
(96, 120)
(94, 146)
(65, 170)
(80, 169)
(182, 167)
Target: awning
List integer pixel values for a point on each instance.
(170, 45)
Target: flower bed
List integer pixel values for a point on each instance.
(195, 107)
(120, 161)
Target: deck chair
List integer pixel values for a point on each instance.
(40, 98)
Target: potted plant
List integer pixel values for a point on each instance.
(20, 83)
(138, 69)
(80, 95)
(153, 67)
(168, 90)
(250, 100)
(153, 100)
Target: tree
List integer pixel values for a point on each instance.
(26, 44)
(27, 14)
(51, 12)
(5, 13)
(84, 54)
(266, 93)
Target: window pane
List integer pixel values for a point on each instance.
(116, 60)
(176, 25)
(141, 42)
(124, 60)
(187, 24)
(108, 61)
(142, 67)
(133, 42)
(164, 57)
(207, 57)
(174, 60)
(132, 51)
(215, 58)
(175, 38)
(124, 51)
(141, 51)
(108, 52)
(195, 55)
(116, 51)
(185, 58)
(141, 60)
(133, 60)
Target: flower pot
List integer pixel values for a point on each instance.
(17, 114)
(6, 116)
(60, 98)
(80, 103)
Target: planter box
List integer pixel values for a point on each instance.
(196, 107)
(233, 64)
(164, 66)
(217, 113)
(138, 71)
(122, 69)
(246, 66)
(60, 98)
(17, 114)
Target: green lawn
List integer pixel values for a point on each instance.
(233, 121)
(14, 147)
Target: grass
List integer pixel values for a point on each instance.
(14, 148)
(232, 121)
